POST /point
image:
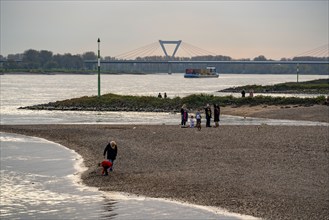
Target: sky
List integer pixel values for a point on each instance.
(239, 29)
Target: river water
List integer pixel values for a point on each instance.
(40, 179)
(25, 90)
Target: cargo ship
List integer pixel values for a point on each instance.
(209, 72)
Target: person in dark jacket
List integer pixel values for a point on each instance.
(110, 152)
(216, 115)
(184, 116)
(208, 115)
(243, 93)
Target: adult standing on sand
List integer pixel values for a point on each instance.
(216, 115)
(251, 93)
(208, 115)
(110, 152)
(243, 93)
(184, 115)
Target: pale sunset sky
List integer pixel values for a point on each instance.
(239, 29)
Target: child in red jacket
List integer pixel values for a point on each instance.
(106, 164)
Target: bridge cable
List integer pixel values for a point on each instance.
(187, 51)
(149, 51)
(200, 50)
(136, 51)
(316, 52)
(192, 50)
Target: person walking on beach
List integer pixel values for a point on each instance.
(110, 152)
(216, 115)
(208, 115)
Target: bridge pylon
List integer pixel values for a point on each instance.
(177, 43)
(163, 42)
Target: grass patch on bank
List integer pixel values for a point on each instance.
(114, 102)
(319, 86)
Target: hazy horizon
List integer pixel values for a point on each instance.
(239, 29)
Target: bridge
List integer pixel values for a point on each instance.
(136, 56)
(207, 62)
(148, 51)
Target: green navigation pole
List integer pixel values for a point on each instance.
(99, 69)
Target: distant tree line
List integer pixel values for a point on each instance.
(46, 60)
(38, 61)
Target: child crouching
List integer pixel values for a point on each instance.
(106, 164)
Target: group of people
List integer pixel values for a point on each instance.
(111, 149)
(110, 154)
(251, 93)
(208, 114)
(160, 96)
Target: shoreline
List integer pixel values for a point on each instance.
(272, 172)
(318, 113)
(69, 172)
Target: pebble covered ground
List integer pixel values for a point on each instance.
(272, 172)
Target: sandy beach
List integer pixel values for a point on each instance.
(318, 113)
(272, 172)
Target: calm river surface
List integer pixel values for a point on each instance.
(40, 179)
(25, 90)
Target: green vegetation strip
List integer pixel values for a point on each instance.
(319, 86)
(113, 102)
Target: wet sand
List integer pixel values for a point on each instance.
(318, 113)
(273, 172)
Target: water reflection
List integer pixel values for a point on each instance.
(36, 182)
(108, 206)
